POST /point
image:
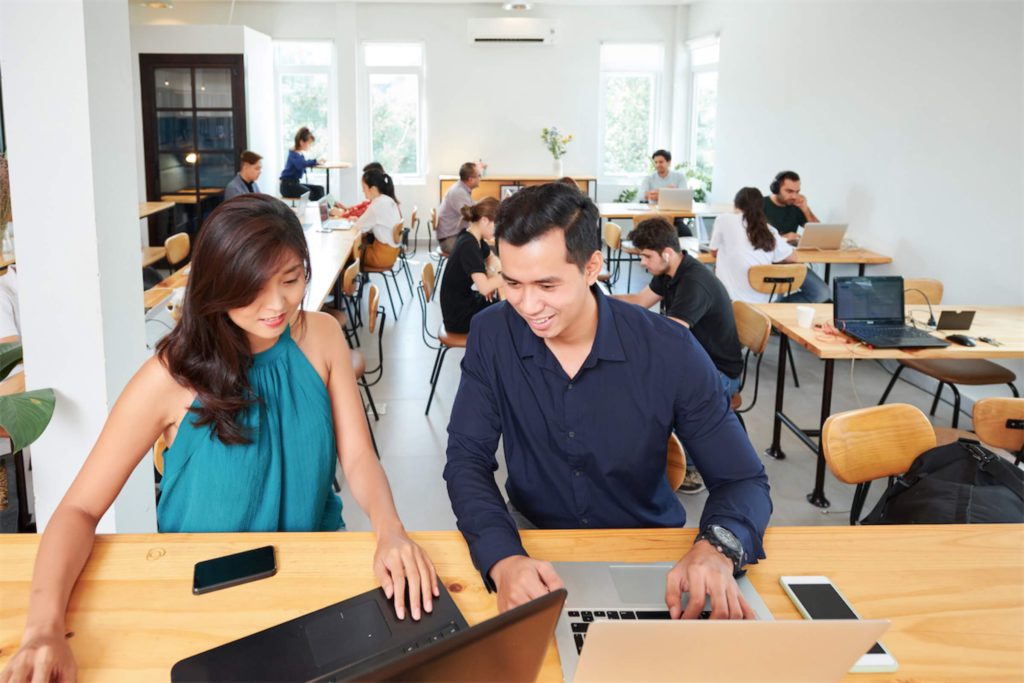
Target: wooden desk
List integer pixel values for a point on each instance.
(1002, 323)
(953, 593)
(147, 209)
(151, 255)
(490, 185)
(635, 211)
(861, 257)
(327, 166)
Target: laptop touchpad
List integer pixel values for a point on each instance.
(348, 633)
(640, 585)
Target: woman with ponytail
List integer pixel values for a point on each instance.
(744, 239)
(378, 221)
(468, 267)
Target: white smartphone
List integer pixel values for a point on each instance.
(816, 597)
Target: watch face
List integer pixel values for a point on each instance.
(725, 537)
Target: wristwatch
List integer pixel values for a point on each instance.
(725, 542)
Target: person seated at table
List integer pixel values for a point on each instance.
(449, 216)
(258, 404)
(295, 167)
(584, 391)
(378, 222)
(244, 181)
(786, 209)
(339, 210)
(664, 177)
(693, 297)
(468, 268)
(10, 316)
(743, 240)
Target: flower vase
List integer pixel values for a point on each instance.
(557, 168)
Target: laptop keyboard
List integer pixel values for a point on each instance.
(580, 620)
(890, 333)
(450, 629)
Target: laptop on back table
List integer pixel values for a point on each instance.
(870, 309)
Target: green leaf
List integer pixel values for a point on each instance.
(11, 354)
(26, 415)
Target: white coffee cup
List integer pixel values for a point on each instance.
(804, 316)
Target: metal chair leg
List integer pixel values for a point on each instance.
(373, 439)
(437, 375)
(1016, 394)
(935, 403)
(369, 398)
(892, 383)
(956, 405)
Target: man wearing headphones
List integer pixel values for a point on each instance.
(787, 210)
(693, 297)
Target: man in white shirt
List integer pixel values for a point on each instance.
(449, 216)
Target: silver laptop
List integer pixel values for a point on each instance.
(617, 592)
(674, 199)
(821, 236)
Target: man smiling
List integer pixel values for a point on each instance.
(584, 391)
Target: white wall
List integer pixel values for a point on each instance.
(904, 119)
(485, 102)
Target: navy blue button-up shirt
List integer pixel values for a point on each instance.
(590, 451)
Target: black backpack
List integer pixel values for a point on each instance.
(960, 483)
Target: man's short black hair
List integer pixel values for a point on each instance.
(373, 166)
(656, 234)
(467, 171)
(533, 211)
(663, 153)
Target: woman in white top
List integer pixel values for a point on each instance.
(742, 240)
(380, 218)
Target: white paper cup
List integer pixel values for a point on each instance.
(804, 316)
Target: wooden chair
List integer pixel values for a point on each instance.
(158, 455)
(754, 329)
(431, 229)
(444, 341)
(870, 443)
(967, 371)
(374, 312)
(675, 466)
(414, 230)
(384, 272)
(178, 247)
(401, 237)
(773, 279)
(612, 236)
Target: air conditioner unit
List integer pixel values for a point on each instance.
(512, 30)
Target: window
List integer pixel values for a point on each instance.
(630, 84)
(703, 102)
(394, 82)
(304, 72)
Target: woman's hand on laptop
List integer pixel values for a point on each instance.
(520, 579)
(704, 571)
(398, 559)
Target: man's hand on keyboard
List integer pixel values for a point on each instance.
(520, 579)
(705, 571)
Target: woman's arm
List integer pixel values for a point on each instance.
(141, 413)
(486, 285)
(397, 558)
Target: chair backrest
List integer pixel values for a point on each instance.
(753, 327)
(357, 245)
(675, 465)
(177, 247)
(396, 232)
(348, 279)
(433, 219)
(880, 441)
(427, 281)
(932, 288)
(158, 454)
(413, 219)
(777, 278)
(613, 236)
(371, 314)
(990, 417)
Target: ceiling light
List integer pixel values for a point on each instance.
(158, 5)
(517, 6)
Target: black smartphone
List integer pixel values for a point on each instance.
(232, 570)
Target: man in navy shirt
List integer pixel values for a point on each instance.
(584, 391)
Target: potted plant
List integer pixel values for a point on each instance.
(24, 415)
(698, 179)
(557, 144)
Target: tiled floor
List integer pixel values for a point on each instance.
(412, 446)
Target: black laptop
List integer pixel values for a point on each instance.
(362, 639)
(870, 309)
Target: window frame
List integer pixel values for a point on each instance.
(331, 71)
(696, 71)
(656, 111)
(419, 177)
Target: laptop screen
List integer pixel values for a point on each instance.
(875, 299)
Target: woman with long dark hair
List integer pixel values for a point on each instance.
(257, 403)
(379, 220)
(744, 239)
(470, 284)
(295, 167)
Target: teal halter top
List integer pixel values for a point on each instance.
(281, 480)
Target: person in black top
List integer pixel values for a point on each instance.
(787, 210)
(468, 266)
(693, 297)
